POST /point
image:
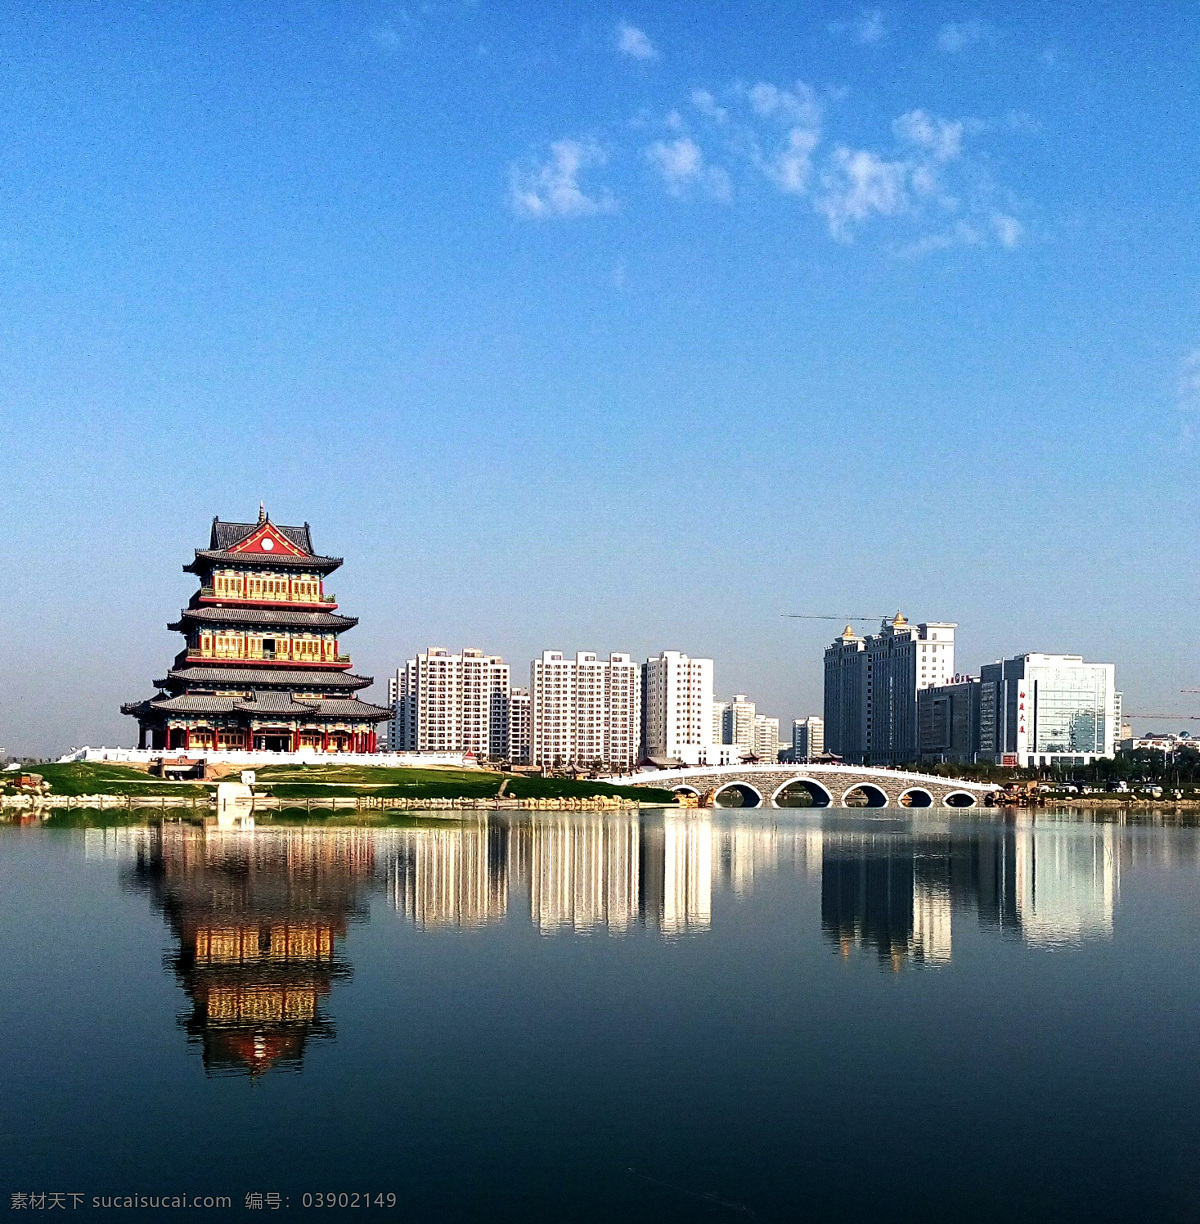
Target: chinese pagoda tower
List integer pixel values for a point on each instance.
(261, 668)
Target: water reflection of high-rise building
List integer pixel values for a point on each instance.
(454, 875)
(873, 895)
(257, 917)
(896, 890)
(581, 872)
(1067, 881)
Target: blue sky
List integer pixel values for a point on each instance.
(612, 329)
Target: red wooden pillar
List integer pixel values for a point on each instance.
(296, 740)
(187, 739)
(324, 739)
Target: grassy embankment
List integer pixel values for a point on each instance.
(318, 782)
(330, 781)
(104, 778)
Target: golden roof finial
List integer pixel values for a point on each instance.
(262, 513)
(898, 620)
(848, 632)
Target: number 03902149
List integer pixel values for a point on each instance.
(348, 1198)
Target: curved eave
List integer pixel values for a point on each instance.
(253, 618)
(206, 559)
(196, 676)
(182, 659)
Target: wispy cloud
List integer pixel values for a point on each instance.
(859, 184)
(957, 36)
(635, 43)
(941, 138)
(1187, 385)
(550, 188)
(1009, 231)
(681, 164)
(386, 36)
(867, 28)
(922, 188)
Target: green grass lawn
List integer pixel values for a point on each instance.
(330, 781)
(337, 781)
(105, 778)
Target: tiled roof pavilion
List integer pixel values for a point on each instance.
(261, 667)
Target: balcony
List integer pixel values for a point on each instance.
(207, 592)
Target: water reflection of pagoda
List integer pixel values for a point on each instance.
(258, 917)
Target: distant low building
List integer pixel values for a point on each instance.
(1166, 742)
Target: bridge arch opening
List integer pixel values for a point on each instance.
(865, 794)
(802, 792)
(737, 794)
(685, 790)
(959, 799)
(916, 796)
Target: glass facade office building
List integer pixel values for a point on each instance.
(1038, 709)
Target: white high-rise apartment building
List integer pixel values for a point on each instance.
(678, 703)
(443, 702)
(871, 687)
(518, 725)
(584, 710)
(739, 722)
(808, 737)
(766, 738)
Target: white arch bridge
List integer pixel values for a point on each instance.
(824, 786)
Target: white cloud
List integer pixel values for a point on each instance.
(635, 43)
(858, 184)
(867, 28)
(799, 106)
(1187, 386)
(681, 164)
(791, 167)
(706, 104)
(962, 233)
(552, 189)
(1009, 231)
(956, 36)
(386, 36)
(787, 162)
(942, 138)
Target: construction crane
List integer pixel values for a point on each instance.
(1172, 717)
(807, 616)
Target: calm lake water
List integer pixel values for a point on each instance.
(725, 1015)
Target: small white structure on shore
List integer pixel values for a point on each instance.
(235, 806)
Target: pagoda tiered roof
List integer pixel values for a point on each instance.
(206, 558)
(273, 705)
(281, 617)
(246, 695)
(239, 544)
(253, 677)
